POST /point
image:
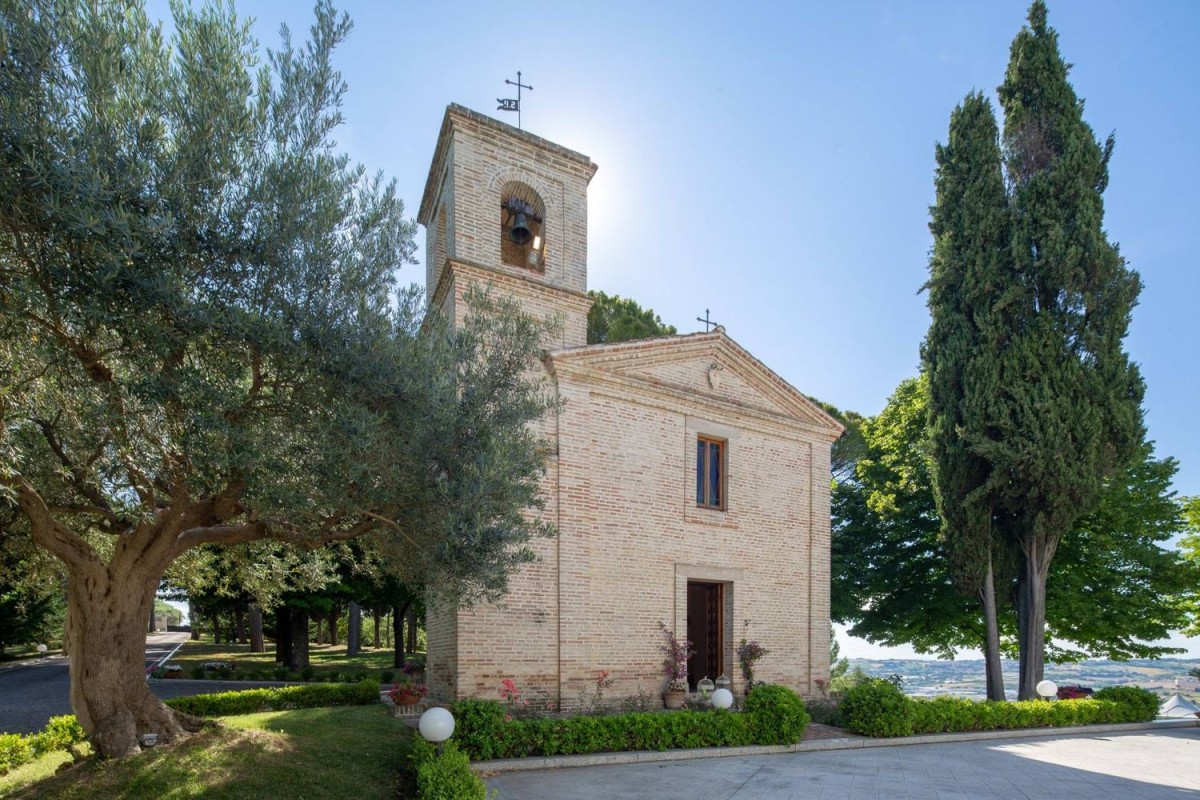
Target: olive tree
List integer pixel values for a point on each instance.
(203, 342)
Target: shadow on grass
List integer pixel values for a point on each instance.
(317, 752)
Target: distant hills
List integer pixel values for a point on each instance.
(966, 679)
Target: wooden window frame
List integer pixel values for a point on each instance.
(707, 466)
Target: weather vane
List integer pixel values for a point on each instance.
(509, 104)
(708, 323)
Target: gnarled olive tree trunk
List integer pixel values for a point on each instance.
(107, 608)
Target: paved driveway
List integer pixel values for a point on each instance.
(1127, 766)
(34, 690)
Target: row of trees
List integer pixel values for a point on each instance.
(235, 595)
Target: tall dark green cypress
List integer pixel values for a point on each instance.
(1065, 414)
(971, 232)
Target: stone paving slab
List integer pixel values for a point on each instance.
(1148, 764)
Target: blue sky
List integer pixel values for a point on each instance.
(773, 162)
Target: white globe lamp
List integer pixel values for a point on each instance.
(1047, 689)
(436, 725)
(722, 698)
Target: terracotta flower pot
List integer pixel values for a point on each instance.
(407, 701)
(674, 698)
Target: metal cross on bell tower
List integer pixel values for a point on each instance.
(708, 323)
(510, 104)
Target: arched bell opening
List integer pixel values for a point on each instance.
(522, 227)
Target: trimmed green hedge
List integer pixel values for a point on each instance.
(252, 701)
(444, 777)
(1142, 702)
(879, 708)
(60, 733)
(773, 715)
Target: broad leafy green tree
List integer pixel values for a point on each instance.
(892, 581)
(1116, 586)
(613, 318)
(1191, 552)
(849, 447)
(1067, 417)
(32, 598)
(202, 341)
(1118, 583)
(970, 227)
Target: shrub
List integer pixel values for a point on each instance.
(878, 708)
(252, 701)
(280, 673)
(478, 726)
(307, 673)
(447, 776)
(826, 712)
(14, 751)
(60, 733)
(777, 715)
(386, 676)
(198, 672)
(1141, 704)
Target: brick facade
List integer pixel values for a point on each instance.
(621, 481)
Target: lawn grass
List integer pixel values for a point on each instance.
(35, 771)
(355, 752)
(325, 660)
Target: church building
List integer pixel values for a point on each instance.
(689, 484)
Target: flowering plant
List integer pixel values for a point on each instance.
(406, 692)
(748, 654)
(595, 705)
(518, 705)
(677, 652)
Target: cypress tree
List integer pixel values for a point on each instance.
(970, 227)
(1064, 415)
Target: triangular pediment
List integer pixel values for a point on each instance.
(704, 365)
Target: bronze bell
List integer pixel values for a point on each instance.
(520, 232)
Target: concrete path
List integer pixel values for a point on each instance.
(1114, 766)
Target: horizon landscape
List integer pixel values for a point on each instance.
(965, 677)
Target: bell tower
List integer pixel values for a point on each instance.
(506, 208)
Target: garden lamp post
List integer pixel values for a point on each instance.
(722, 698)
(1047, 689)
(436, 725)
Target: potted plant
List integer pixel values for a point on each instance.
(407, 693)
(676, 653)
